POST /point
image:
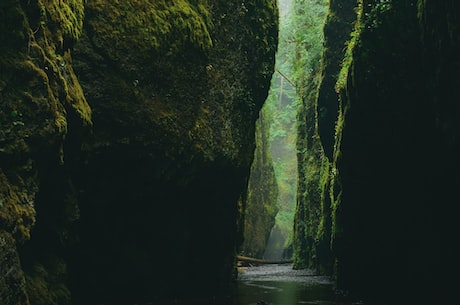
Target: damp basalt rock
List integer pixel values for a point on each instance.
(116, 182)
(175, 90)
(394, 152)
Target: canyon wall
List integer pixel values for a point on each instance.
(394, 160)
(121, 183)
(393, 168)
(261, 200)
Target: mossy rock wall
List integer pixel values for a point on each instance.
(261, 201)
(312, 221)
(165, 171)
(122, 208)
(396, 152)
(337, 29)
(393, 148)
(42, 107)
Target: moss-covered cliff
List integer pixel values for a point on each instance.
(261, 201)
(337, 28)
(174, 89)
(393, 170)
(174, 115)
(395, 150)
(41, 107)
(311, 231)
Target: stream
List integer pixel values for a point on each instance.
(281, 285)
(275, 285)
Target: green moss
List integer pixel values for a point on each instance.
(348, 58)
(181, 107)
(341, 87)
(64, 21)
(152, 25)
(66, 16)
(40, 101)
(40, 73)
(311, 224)
(17, 214)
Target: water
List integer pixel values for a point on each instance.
(274, 285)
(280, 285)
(271, 285)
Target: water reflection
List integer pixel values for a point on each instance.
(272, 285)
(280, 285)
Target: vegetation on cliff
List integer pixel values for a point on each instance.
(42, 105)
(145, 156)
(173, 140)
(175, 89)
(261, 203)
(280, 110)
(390, 108)
(159, 27)
(308, 20)
(392, 153)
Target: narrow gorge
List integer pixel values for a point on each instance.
(128, 163)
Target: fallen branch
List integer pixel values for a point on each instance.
(285, 77)
(261, 261)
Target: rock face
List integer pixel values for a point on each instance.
(312, 221)
(393, 169)
(395, 151)
(261, 201)
(42, 106)
(337, 29)
(135, 193)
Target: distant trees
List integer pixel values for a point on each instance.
(291, 115)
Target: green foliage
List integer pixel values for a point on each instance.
(298, 60)
(308, 22)
(281, 106)
(279, 112)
